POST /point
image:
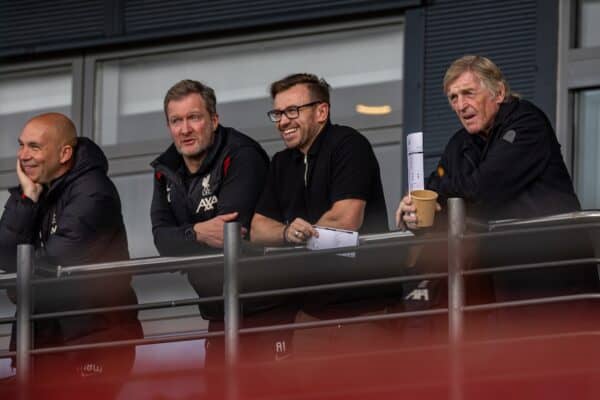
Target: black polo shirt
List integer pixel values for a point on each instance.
(339, 165)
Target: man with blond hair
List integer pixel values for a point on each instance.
(505, 162)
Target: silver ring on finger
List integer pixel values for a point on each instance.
(298, 234)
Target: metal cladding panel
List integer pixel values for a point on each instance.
(211, 15)
(32, 23)
(504, 31)
(36, 26)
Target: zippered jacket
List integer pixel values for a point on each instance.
(230, 179)
(518, 172)
(77, 220)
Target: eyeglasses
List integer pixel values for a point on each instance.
(291, 112)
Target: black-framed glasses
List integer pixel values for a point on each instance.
(292, 112)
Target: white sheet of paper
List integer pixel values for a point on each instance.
(414, 150)
(330, 238)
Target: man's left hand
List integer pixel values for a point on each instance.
(211, 231)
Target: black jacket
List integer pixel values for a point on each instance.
(518, 172)
(230, 179)
(77, 220)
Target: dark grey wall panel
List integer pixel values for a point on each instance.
(202, 16)
(547, 56)
(33, 27)
(414, 57)
(505, 31)
(28, 24)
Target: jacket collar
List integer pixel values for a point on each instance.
(87, 156)
(505, 110)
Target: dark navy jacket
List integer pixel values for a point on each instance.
(77, 220)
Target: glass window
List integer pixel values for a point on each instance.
(587, 167)
(589, 29)
(25, 94)
(136, 195)
(364, 66)
(4, 195)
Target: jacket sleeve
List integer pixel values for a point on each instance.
(90, 220)
(16, 227)
(243, 183)
(169, 237)
(508, 168)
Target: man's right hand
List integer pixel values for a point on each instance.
(299, 231)
(30, 188)
(211, 231)
(406, 216)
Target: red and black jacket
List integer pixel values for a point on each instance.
(230, 179)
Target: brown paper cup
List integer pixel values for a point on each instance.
(424, 201)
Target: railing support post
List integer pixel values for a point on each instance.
(232, 246)
(24, 307)
(456, 293)
(456, 289)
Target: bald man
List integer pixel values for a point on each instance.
(70, 211)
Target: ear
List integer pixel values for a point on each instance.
(215, 120)
(501, 93)
(322, 112)
(66, 154)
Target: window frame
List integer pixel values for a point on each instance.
(578, 70)
(76, 64)
(132, 158)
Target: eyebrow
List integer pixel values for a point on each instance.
(30, 143)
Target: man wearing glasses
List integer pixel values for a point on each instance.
(327, 175)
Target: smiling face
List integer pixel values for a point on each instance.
(44, 153)
(192, 128)
(300, 132)
(474, 104)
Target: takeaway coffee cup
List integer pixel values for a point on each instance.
(425, 201)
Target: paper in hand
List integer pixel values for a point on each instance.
(414, 150)
(331, 238)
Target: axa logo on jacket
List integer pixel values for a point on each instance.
(207, 203)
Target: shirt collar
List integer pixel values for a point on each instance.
(316, 145)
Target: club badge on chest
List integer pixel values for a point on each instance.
(208, 200)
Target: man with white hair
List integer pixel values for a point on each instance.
(505, 162)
